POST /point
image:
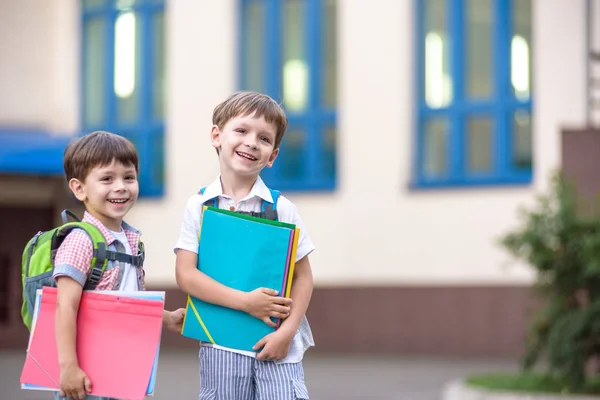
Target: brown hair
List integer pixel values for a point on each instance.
(248, 103)
(97, 149)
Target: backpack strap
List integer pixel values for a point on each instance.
(136, 261)
(213, 200)
(100, 256)
(269, 210)
(66, 214)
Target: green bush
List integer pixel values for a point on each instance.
(529, 382)
(562, 244)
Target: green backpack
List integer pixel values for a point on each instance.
(38, 260)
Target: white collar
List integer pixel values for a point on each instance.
(259, 189)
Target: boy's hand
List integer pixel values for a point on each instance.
(173, 320)
(263, 304)
(275, 346)
(74, 383)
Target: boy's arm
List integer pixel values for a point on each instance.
(302, 284)
(301, 294)
(67, 308)
(74, 383)
(71, 267)
(275, 346)
(261, 303)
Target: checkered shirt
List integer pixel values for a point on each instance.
(74, 256)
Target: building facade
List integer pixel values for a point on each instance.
(417, 129)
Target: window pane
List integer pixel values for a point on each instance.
(128, 49)
(157, 159)
(479, 48)
(438, 82)
(295, 68)
(94, 46)
(125, 5)
(158, 79)
(435, 145)
(138, 141)
(522, 140)
(254, 46)
(479, 136)
(291, 165)
(328, 160)
(134, 138)
(329, 54)
(520, 50)
(93, 3)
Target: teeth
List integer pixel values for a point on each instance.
(248, 156)
(118, 201)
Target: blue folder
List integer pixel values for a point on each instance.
(243, 253)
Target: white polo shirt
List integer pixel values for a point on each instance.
(287, 212)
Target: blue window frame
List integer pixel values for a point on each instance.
(123, 74)
(288, 51)
(473, 93)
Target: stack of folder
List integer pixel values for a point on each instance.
(118, 340)
(244, 253)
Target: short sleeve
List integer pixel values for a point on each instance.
(190, 226)
(74, 257)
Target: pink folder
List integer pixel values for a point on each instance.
(117, 340)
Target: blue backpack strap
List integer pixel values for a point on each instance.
(269, 210)
(275, 194)
(214, 200)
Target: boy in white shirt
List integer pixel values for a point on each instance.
(247, 130)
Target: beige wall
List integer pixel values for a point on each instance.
(39, 72)
(405, 237)
(201, 65)
(559, 82)
(373, 229)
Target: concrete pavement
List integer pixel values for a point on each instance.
(327, 377)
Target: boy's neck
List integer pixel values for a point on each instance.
(110, 224)
(237, 187)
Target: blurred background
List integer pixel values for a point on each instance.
(417, 130)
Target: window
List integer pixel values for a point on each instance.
(123, 78)
(293, 59)
(474, 92)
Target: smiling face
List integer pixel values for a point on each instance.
(108, 192)
(246, 145)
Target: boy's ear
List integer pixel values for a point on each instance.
(77, 188)
(215, 137)
(272, 157)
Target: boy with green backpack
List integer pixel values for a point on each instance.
(101, 252)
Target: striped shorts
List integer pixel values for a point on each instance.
(225, 375)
